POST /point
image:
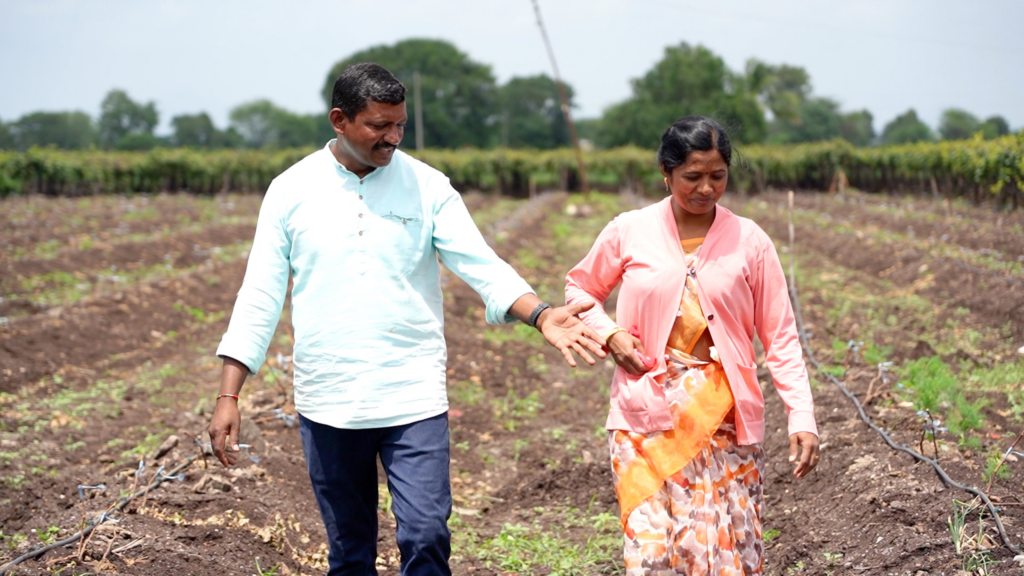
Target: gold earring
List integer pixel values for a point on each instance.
(667, 189)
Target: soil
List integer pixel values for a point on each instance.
(865, 510)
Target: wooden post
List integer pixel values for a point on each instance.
(584, 181)
(417, 102)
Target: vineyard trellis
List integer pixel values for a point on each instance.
(976, 169)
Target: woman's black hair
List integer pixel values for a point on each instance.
(362, 82)
(692, 133)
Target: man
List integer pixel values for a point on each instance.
(359, 226)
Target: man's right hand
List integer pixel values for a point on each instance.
(224, 430)
(625, 349)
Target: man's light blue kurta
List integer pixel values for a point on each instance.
(366, 296)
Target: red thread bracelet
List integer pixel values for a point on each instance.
(235, 396)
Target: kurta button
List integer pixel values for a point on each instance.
(710, 316)
(360, 215)
(360, 196)
(693, 271)
(360, 232)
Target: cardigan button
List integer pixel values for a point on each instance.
(711, 316)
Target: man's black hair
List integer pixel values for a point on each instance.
(692, 133)
(362, 82)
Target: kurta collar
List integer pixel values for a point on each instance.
(345, 172)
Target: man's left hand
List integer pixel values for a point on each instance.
(564, 330)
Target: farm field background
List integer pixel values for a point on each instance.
(113, 305)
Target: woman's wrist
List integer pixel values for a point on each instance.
(608, 338)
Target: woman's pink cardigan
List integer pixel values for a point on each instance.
(741, 287)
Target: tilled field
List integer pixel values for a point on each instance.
(112, 309)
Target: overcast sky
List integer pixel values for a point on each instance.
(211, 55)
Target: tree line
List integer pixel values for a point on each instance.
(464, 106)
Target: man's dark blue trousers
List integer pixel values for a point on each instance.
(343, 469)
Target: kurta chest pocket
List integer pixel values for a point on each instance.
(401, 238)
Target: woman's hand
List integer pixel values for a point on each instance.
(628, 352)
(805, 446)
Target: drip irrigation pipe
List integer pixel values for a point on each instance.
(934, 463)
(100, 520)
(885, 436)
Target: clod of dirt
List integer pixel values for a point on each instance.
(212, 483)
(166, 447)
(249, 433)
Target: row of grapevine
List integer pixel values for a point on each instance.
(969, 167)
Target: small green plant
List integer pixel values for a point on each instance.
(537, 363)
(798, 567)
(47, 536)
(384, 500)
(513, 408)
(13, 540)
(834, 370)
(992, 460)
(466, 392)
(769, 535)
(518, 447)
(519, 333)
(929, 383)
(272, 571)
(832, 557)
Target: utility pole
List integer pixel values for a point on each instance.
(417, 102)
(584, 182)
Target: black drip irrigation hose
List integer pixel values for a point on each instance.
(102, 518)
(885, 436)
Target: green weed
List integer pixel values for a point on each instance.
(537, 363)
(992, 460)
(47, 536)
(518, 447)
(769, 535)
(16, 482)
(272, 571)
(931, 385)
(520, 333)
(548, 549)
(513, 408)
(12, 540)
(466, 392)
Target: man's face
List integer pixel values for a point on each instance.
(369, 140)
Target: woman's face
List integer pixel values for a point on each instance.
(698, 184)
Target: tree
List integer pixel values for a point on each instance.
(905, 128)
(262, 124)
(817, 119)
(781, 89)
(857, 128)
(67, 130)
(196, 130)
(957, 124)
(994, 127)
(686, 81)
(121, 116)
(458, 94)
(589, 129)
(531, 113)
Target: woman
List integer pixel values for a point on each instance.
(686, 423)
